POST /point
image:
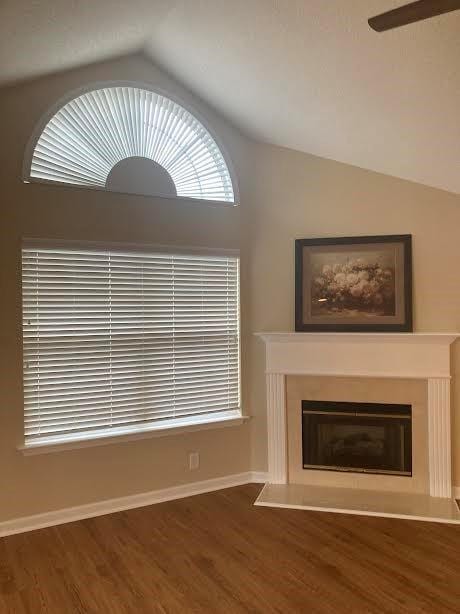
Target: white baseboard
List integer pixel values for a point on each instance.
(109, 506)
(259, 477)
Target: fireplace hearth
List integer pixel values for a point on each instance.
(357, 437)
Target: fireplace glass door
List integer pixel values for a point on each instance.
(357, 437)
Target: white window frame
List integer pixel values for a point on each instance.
(149, 87)
(170, 426)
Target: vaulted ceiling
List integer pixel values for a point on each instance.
(305, 74)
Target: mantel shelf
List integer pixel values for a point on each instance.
(399, 355)
(407, 338)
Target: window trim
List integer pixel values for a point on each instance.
(169, 427)
(94, 85)
(205, 424)
(32, 242)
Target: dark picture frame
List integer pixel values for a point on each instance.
(354, 284)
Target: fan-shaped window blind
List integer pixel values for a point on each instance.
(92, 133)
(120, 342)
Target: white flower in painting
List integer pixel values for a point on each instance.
(352, 279)
(360, 289)
(327, 269)
(340, 279)
(333, 288)
(363, 275)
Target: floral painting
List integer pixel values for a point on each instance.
(347, 285)
(354, 284)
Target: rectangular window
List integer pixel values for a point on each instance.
(117, 342)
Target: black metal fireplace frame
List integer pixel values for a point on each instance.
(372, 414)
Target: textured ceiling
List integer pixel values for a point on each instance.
(304, 74)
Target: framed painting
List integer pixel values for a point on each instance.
(354, 284)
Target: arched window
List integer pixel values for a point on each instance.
(129, 139)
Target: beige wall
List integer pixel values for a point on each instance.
(284, 195)
(38, 483)
(297, 195)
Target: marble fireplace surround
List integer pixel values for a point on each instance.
(419, 356)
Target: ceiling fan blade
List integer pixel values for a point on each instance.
(409, 13)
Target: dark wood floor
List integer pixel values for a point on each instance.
(218, 553)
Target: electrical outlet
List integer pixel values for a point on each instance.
(193, 460)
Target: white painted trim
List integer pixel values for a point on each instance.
(135, 248)
(439, 437)
(259, 477)
(292, 337)
(410, 355)
(156, 431)
(368, 374)
(109, 506)
(276, 428)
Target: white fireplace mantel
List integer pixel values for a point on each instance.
(390, 355)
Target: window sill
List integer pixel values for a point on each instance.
(162, 430)
(178, 199)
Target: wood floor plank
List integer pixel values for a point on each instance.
(218, 553)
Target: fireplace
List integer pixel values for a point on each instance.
(388, 452)
(357, 437)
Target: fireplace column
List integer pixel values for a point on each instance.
(439, 437)
(276, 427)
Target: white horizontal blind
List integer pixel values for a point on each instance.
(120, 341)
(89, 135)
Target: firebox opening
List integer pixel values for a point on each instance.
(357, 437)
